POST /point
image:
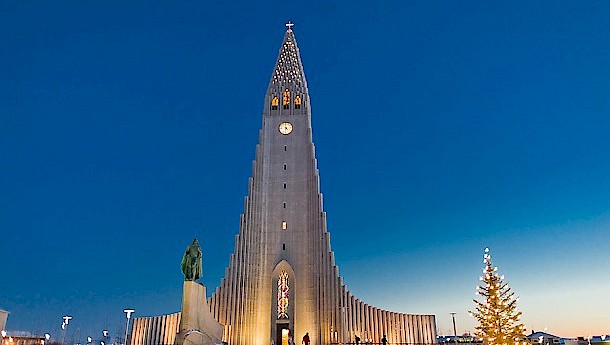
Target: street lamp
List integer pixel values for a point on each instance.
(3, 333)
(128, 313)
(64, 326)
(104, 337)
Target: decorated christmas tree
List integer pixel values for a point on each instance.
(497, 314)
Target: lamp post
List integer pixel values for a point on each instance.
(47, 336)
(3, 333)
(128, 313)
(454, 329)
(64, 326)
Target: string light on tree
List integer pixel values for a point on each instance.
(497, 314)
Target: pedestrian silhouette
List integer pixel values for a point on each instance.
(305, 339)
(384, 341)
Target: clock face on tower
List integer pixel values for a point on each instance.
(285, 128)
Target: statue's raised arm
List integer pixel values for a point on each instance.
(191, 262)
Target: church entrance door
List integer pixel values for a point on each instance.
(283, 332)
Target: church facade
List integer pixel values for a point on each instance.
(282, 280)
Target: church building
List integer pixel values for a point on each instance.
(282, 280)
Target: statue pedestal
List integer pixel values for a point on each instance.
(197, 325)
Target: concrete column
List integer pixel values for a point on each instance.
(135, 329)
(402, 321)
(148, 331)
(154, 329)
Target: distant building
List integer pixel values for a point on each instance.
(22, 338)
(573, 341)
(600, 339)
(543, 338)
(464, 339)
(591, 340)
(548, 339)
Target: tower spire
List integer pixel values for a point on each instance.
(288, 79)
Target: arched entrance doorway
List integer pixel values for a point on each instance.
(283, 306)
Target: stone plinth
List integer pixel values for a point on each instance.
(3, 317)
(197, 325)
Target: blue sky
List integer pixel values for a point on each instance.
(128, 128)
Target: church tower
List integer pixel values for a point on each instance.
(282, 279)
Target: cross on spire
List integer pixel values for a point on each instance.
(289, 25)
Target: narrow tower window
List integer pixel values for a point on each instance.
(284, 166)
(282, 295)
(285, 147)
(286, 102)
(283, 246)
(297, 102)
(274, 103)
(284, 205)
(284, 186)
(284, 225)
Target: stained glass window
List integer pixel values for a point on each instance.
(286, 102)
(297, 102)
(282, 296)
(274, 103)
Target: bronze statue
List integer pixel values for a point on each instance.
(191, 262)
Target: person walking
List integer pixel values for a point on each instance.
(384, 341)
(305, 339)
(357, 340)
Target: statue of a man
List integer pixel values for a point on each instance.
(191, 262)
